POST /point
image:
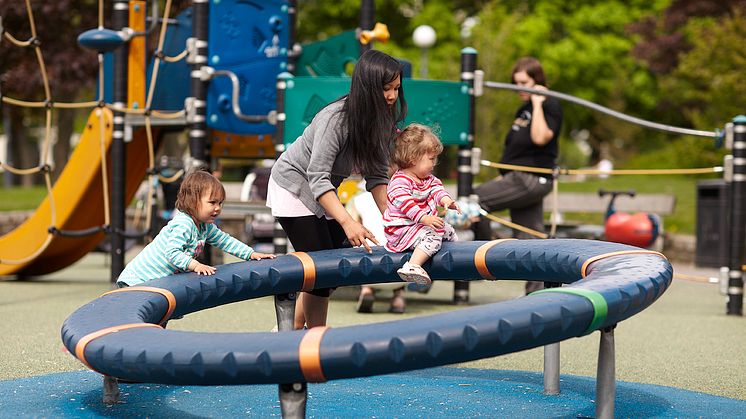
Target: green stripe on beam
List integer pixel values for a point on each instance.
(600, 308)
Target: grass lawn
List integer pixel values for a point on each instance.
(682, 221)
(19, 198)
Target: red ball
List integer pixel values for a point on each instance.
(636, 230)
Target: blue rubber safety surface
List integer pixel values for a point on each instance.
(431, 393)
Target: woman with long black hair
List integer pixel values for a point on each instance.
(350, 135)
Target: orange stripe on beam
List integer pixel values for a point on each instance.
(309, 270)
(587, 263)
(85, 340)
(309, 355)
(166, 293)
(480, 258)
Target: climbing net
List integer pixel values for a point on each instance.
(103, 113)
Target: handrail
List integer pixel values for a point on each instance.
(605, 110)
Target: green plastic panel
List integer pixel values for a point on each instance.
(328, 57)
(442, 105)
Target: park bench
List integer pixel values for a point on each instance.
(589, 202)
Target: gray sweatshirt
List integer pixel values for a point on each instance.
(318, 162)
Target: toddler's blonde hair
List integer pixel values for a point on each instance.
(412, 143)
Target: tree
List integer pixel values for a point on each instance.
(707, 86)
(585, 50)
(70, 68)
(696, 50)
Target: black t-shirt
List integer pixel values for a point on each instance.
(520, 150)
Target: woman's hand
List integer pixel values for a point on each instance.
(537, 100)
(358, 235)
(201, 269)
(258, 256)
(432, 221)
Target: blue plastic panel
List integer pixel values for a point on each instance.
(249, 38)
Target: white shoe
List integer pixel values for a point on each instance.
(414, 273)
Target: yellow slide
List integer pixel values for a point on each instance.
(79, 204)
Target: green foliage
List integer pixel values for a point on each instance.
(709, 83)
(585, 50)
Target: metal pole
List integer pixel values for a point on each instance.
(423, 63)
(294, 48)
(119, 20)
(738, 219)
(120, 17)
(606, 375)
(465, 176)
(552, 360)
(279, 239)
(551, 369)
(197, 104)
(367, 20)
(293, 396)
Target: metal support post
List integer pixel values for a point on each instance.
(465, 176)
(552, 360)
(737, 218)
(294, 48)
(279, 239)
(197, 103)
(551, 369)
(119, 20)
(367, 20)
(293, 396)
(606, 375)
(120, 17)
(111, 390)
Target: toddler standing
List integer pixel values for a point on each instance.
(411, 218)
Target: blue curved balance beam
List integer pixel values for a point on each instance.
(609, 283)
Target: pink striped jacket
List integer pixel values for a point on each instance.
(408, 200)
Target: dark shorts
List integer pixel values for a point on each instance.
(310, 233)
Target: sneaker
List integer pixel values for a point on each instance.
(414, 273)
(365, 302)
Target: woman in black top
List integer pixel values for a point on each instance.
(533, 140)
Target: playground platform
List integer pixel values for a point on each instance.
(682, 357)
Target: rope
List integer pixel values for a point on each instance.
(512, 225)
(148, 122)
(173, 178)
(46, 147)
(104, 171)
(176, 58)
(39, 104)
(15, 41)
(555, 187)
(695, 278)
(168, 115)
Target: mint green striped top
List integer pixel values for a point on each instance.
(180, 241)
